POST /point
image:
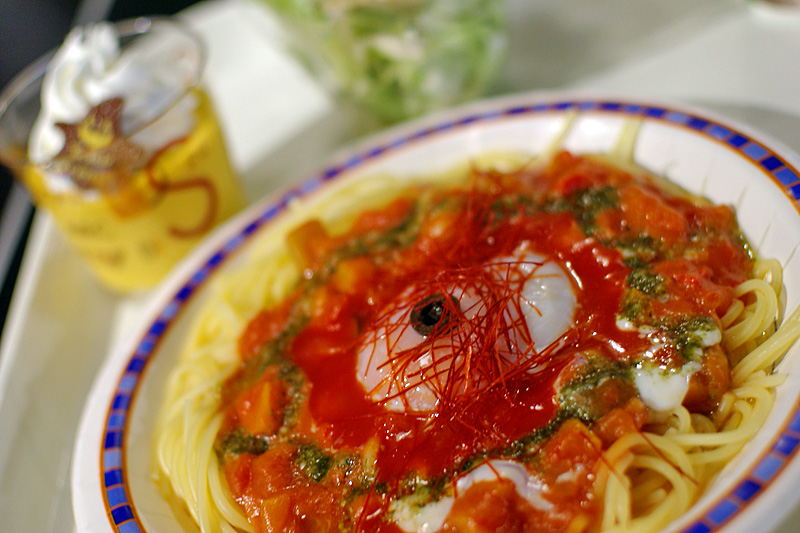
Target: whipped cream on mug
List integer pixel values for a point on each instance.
(91, 67)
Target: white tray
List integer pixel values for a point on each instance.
(280, 124)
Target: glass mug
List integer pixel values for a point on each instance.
(139, 172)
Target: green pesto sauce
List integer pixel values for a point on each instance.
(578, 397)
(635, 307)
(646, 281)
(239, 441)
(642, 285)
(641, 250)
(585, 205)
(312, 461)
(685, 333)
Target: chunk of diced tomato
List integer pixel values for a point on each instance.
(237, 473)
(438, 232)
(260, 409)
(381, 219)
(353, 275)
(309, 244)
(494, 506)
(572, 447)
(707, 385)
(571, 182)
(276, 515)
(264, 327)
(649, 214)
(620, 421)
(273, 471)
(692, 282)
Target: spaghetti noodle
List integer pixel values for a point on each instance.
(563, 346)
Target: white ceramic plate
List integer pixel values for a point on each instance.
(727, 162)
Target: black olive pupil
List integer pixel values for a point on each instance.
(431, 314)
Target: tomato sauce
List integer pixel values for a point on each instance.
(315, 452)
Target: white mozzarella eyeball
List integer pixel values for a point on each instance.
(416, 352)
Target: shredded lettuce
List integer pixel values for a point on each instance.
(399, 58)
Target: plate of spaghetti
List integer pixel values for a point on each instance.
(553, 313)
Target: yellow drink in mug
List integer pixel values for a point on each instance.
(136, 181)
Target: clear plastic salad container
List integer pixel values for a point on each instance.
(399, 58)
